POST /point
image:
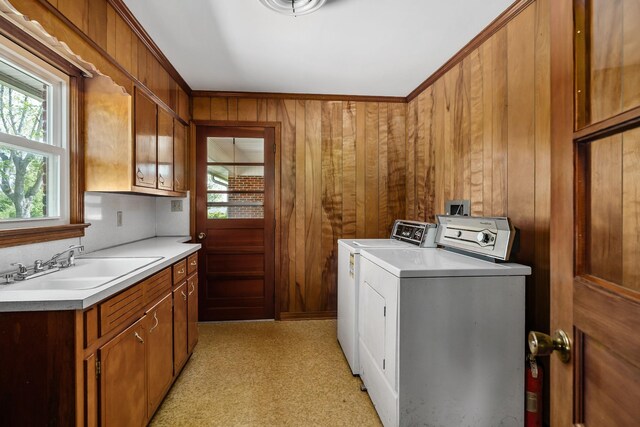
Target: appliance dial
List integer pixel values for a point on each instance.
(483, 237)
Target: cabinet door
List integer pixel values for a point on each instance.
(179, 327)
(146, 143)
(159, 326)
(192, 308)
(123, 378)
(165, 150)
(179, 156)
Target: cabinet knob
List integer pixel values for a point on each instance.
(140, 175)
(160, 179)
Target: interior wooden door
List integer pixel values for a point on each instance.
(595, 227)
(235, 222)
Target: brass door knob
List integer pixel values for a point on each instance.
(543, 345)
(202, 235)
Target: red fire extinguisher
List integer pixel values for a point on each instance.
(533, 386)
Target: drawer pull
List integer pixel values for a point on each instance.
(194, 263)
(184, 295)
(155, 316)
(181, 271)
(193, 288)
(139, 337)
(140, 175)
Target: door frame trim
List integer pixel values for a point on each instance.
(276, 126)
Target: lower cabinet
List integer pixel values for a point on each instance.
(159, 352)
(180, 351)
(192, 312)
(123, 378)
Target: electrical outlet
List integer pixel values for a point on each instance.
(119, 219)
(176, 206)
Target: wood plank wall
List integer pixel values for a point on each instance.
(482, 132)
(120, 53)
(341, 165)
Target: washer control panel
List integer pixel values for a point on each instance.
(491, 237)
(414, 232)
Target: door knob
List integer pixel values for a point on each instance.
(202, 235)
(543, 345)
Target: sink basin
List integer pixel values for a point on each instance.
(88, 273)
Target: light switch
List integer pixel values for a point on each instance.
(176, 206)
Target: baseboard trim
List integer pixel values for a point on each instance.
(309, 315)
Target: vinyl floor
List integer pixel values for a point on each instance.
(267, 374)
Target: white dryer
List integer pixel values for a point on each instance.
(442, 334)
(405, 234)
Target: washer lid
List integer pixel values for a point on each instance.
(408, 262)
(356, 245)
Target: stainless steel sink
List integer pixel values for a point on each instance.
(88, 273)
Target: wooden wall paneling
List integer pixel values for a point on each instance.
(371, 196)
(297, 292)
(500, 124)
(521, 138)
(142, 63)
(349, 169)
(476, 156)
(410, 149)
(631, 209)
(286, 115)
(97, 22)
(76, 11)
(420, 153)
(134, 62)
(262, 109)
(486, 54)
(606, 59)
(542, 215)
(313, 204)
(450, 132)
(331, 200)
(111, 31)
(605, 213)
(383, 168)
(202, 108)
(462, 135)
(220, 109)
(361, 166)
(437, 134)
(232, 109)
(631, 55)
(396, 160)
(123, 44)
(248, 109)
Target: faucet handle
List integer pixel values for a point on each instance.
(21, 267)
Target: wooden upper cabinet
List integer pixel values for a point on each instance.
(129, 142)
(165, 150)
(179, 156)
(145, 141)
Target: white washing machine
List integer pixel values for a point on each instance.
(405, 234)
(442, 334)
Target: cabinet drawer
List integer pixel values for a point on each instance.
(120, 309)
(157, 286)
(179, 271)
(192, 263)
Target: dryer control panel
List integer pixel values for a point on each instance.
(490, 237)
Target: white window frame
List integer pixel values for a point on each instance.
(57, 143)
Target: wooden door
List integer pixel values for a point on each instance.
(179, 156)
(165, 150)
(145, 141)
(595, 199)
(235, 222)
(179, 327)
(192, 312)
(123, 399)
(159, 326)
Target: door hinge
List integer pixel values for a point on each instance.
(384, 363)
(98, 368)
(385, 311)
(274, 148)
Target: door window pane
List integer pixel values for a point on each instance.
(235, 178)
(235, 150)
(235, 212)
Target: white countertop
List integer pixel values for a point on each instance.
(170, 249)
(432, 262)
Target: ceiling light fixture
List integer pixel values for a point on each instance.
(293, 7)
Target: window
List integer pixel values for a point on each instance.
(34, 158)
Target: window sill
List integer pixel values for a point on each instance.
(25, 236)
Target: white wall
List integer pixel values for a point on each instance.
(142, 217)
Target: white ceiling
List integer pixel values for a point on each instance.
(351, 47)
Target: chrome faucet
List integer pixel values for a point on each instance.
(71, 260)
